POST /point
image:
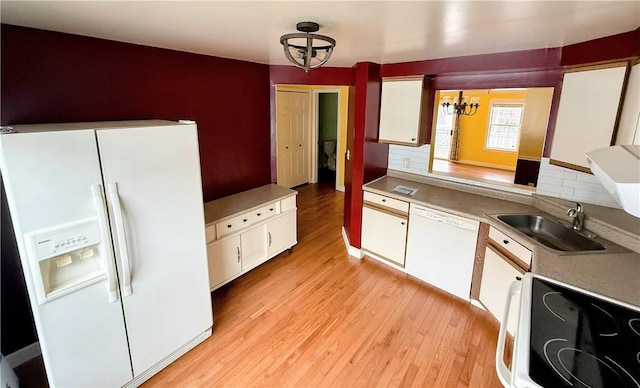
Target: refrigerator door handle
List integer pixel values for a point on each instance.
(120, 237)
(101, 209)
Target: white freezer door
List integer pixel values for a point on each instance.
(157, 174)
(48, 178)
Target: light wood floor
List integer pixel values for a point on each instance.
(318, 317)
(474, 172)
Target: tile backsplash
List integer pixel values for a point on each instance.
(560, 182)
(414, 160)
(553, 181)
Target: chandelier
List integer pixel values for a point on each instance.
(460, 106)
(305, 49)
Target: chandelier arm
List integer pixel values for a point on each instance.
(322, 62)
(288, 55)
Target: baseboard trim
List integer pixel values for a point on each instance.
(351, 251)
(146, 375)
(23, 355)
(340, 188)
(476, 303)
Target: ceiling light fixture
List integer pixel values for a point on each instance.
(301, 50)
(460, 105)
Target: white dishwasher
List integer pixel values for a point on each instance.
(441, 249)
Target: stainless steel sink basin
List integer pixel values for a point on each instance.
(550, 233)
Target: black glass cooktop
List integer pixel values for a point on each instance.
(581, 341)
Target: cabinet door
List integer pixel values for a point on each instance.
(400, 110)
(497, 276)
(224, 260)
(629, 129)
(253, 247)
(586, 115)
(281, 233)
(384, 234)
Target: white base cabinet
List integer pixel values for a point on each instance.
(246, 229)
(505, 261)
(224, 259)
(384, 227)
(497, 276)
(280, 233)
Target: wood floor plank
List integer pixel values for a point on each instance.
(317, 317)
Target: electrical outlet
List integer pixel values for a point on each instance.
(406, 162)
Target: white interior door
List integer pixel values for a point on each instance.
(292, 137)
(48, 178)
(157, 172)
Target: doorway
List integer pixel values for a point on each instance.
(327, 124)
(326, 121)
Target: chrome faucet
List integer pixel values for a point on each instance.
(577, 214)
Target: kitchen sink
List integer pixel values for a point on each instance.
(550, 233)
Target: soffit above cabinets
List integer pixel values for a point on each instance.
(377, 31)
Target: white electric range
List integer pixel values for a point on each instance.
(570, 337)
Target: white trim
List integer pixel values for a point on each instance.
(351, 251)
(23, 355)
(476, 303)
(316, 130)
(146, 375)
(340, 188)
(389, 263)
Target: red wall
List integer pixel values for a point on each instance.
(54, 77)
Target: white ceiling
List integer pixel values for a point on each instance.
(377, 31)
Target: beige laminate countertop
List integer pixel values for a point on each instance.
(245, 201)
(615, 273)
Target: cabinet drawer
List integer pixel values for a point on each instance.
(223, 228)
(265, 212)
(509, 245)
(288, 204)
(210, 233)
(381, 200)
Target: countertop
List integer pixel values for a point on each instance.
(242, 202)
(615, 273)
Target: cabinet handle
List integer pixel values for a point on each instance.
(384, 200)
(505, 241)
(228, 225)
(245, 219)
(402, 223)
(258, 214)
(269, 234)
(518, 277)
(413, 139)
(238, 248)
(270, 209)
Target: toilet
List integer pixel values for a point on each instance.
(329, 149)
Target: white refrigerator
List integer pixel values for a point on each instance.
(110, 228)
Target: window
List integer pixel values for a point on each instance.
(504, 126)
(444, 125)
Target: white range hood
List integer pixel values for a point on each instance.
(618, 169)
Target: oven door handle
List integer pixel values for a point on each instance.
(504, 374)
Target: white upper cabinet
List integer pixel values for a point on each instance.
(629, 129)
(587, 114)
(404, 112)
